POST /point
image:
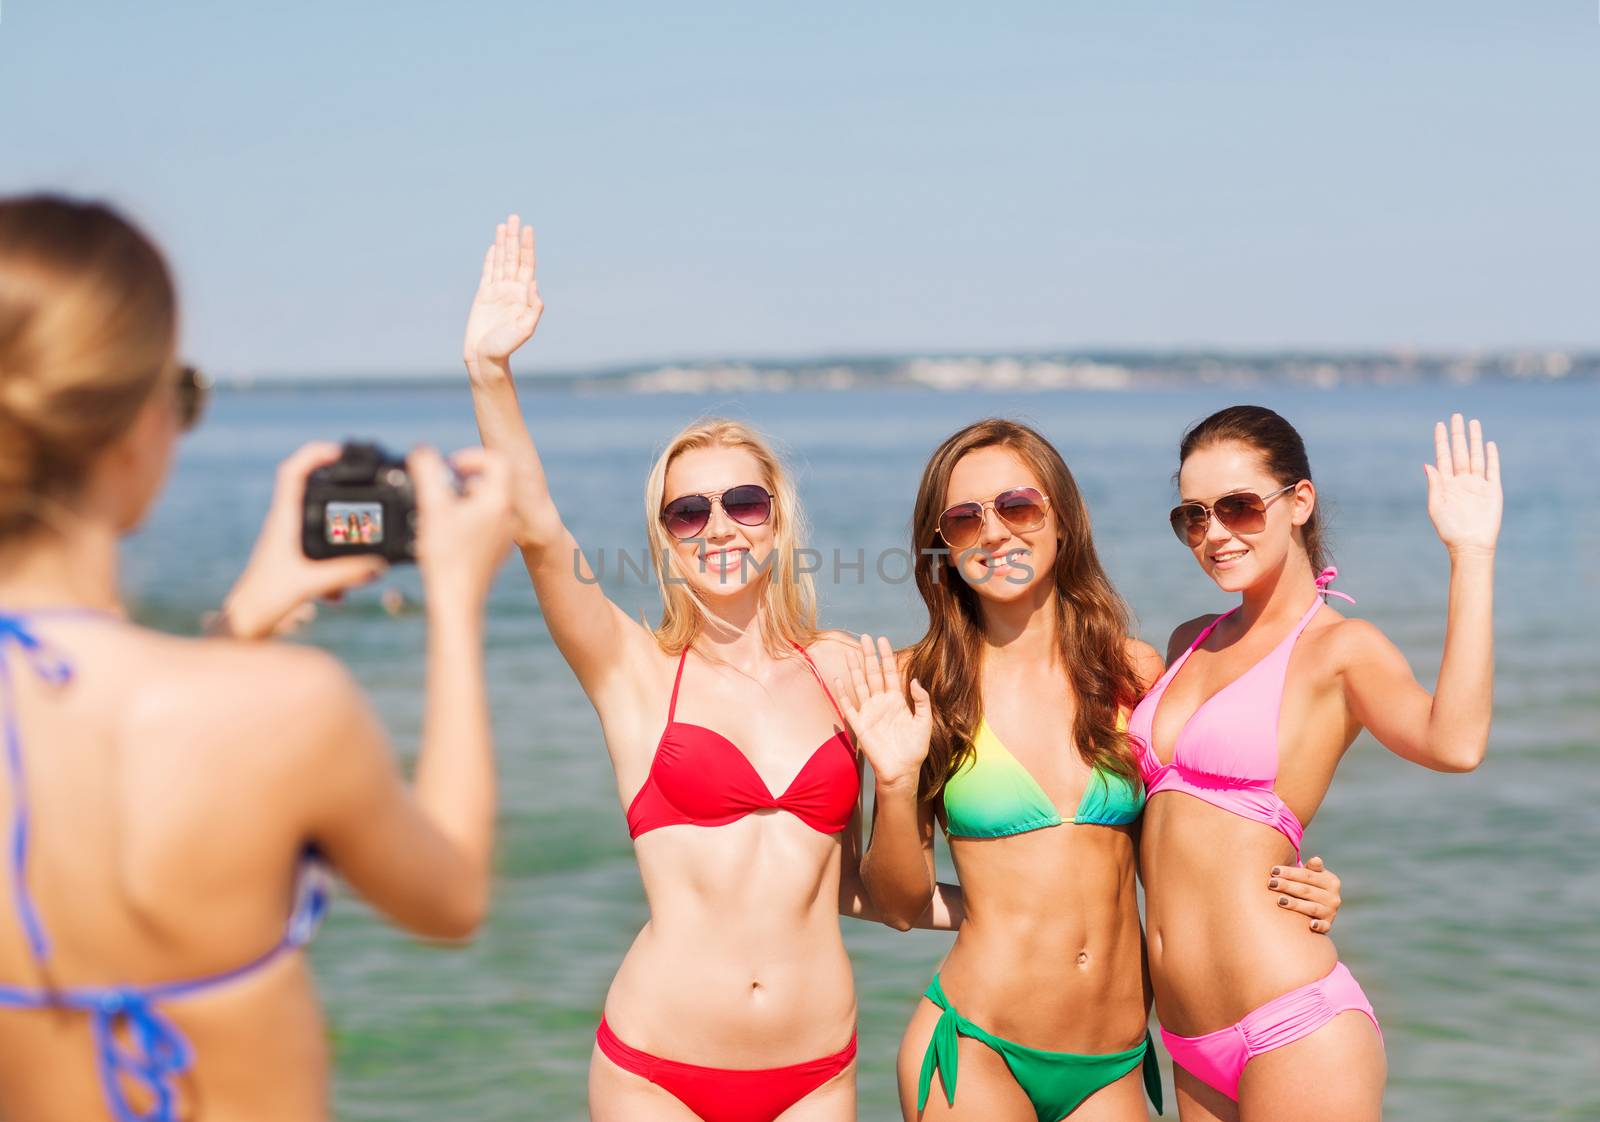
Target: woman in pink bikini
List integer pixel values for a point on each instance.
(1250, 720)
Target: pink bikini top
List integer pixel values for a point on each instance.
(700, 777)
(1226, 753)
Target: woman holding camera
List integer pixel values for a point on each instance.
(159, 795)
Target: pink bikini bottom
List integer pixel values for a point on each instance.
(1218, 1058)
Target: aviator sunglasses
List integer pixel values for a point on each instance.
(1021, 508)
(748, 504)
(1243, 512)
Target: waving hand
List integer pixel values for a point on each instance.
(894, 736)
(507, 307)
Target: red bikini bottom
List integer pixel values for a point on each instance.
(727, 1095)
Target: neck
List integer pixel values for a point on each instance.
(1285, 594)
(1022, 629)
(732, 631)
(49, 568)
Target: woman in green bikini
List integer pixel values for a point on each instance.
(1027, 657)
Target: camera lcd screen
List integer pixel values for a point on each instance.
(354, 524)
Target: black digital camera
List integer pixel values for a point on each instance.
(363, 502)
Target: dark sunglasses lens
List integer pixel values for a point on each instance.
(747, 505)
(1022, 509)
(1243, 513)
(192, 392)
(686, 517)
(961, 525)
(1189, 523)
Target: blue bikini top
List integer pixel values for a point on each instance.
(155, 1052)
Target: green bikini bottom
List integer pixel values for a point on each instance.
(1055, 1082)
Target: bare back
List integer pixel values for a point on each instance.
(166, 792)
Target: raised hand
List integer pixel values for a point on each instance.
(894, 736)
(1464, 497)
(507, 307)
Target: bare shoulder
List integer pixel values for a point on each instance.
(1187, 632)
(249, 697)
(1345, 641)
(1147, 662)
(832, 651)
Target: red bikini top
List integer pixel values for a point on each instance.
(700, 777)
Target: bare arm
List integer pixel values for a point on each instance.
(592, 633)
(897, 867)
(1448, 730)
(944, 912)
(422, 856)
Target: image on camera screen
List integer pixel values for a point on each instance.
(354, 524)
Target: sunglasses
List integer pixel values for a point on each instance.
(193, 389)
(1243, 512)
(1021, 508)
(748, 504)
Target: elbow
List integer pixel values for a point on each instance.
(459, 917)
(1462, 756)
(898, 921)
(903, 914)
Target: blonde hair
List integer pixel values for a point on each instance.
(787, 613)
(88, 327)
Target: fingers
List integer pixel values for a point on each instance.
(919, 699)
(1492, 463)
(873, 666)
(1441, 448)
(430, 477)
(858, 683)
(847, 702)
(336, 574)
(513, 246)
(525, 257)
(1475, 447)
(487, 476)
(305, 459)
(1459, 460)
(1317, 911)
(289, 489)
(891, 670)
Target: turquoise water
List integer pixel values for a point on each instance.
(1471, 901)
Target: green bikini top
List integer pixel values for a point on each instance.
(992, 795)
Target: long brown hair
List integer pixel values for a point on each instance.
(1282, 452)
(88, 325)
(1092, 622)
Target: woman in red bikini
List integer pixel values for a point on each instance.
(735, 1003)
(1249, 722)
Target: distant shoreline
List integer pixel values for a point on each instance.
(1022, 371)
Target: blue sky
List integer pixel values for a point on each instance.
(739, 179)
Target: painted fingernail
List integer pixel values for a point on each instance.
(1283, 901)
(1273, 883)
(1276, 870)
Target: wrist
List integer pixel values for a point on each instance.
(1470, 554)
(453, 603)
(487, 368)
(896, 787)
(241, 615)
